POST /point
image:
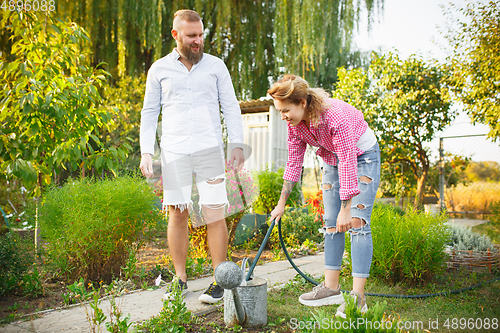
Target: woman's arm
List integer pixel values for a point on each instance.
(344, 219)
(279, 210)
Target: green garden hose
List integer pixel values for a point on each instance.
(283, 246)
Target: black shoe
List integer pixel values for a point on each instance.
(182, 286)
(213, 294)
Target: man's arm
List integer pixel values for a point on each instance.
(232, 115)
(149, 122)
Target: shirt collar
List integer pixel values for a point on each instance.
(177, 56)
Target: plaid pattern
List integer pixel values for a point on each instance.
(340, 128)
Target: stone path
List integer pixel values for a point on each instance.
(145, 304)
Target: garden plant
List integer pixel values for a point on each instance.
(90, 226)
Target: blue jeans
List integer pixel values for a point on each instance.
(361, 207)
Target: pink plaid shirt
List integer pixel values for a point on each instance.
(340, 128)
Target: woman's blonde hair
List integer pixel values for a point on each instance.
(293, 89)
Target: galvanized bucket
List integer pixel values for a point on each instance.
(253, 298)
(245, 302)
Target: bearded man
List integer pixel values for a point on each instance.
(191, 88)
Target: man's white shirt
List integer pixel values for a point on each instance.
(189, 102)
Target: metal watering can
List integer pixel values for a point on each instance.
(245, 302)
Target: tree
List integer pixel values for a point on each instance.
(406, 102)
(257, 39)
(49, 103)
(314, 38)
(475, 61)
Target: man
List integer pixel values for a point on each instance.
(188, 86)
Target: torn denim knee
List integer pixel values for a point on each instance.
(358, 232)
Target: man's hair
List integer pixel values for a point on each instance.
(185, 15)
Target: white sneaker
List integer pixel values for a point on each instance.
(361, 302)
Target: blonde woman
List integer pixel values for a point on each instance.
(350, 178)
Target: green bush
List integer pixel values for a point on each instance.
(463, 239)
(406, 248)
(270, 185)
(297, 226)
(17, 257)
(90, 226)
(495, 212)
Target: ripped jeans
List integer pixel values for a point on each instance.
(361, 207)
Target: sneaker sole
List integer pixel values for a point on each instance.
(342, 315)
(337, 299)
(168, 297)
(204, 298)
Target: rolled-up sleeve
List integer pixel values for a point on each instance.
(150, 112)
(345, 149)
(296, 151)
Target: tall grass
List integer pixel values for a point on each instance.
(475, 197)
(406, 248)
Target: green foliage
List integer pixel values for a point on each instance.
(454, 168)
(406, 248)
(256, 39)
(297, 228)
(77, 293)
(124, 101)
(463, 238)
(495, 212)
(32, 283)
(90, 226)
(373, 320)
(49, 100)
(475, 60)
(488, 171)
(314, 45)
(172, 317)
(270, 183)
(406, 102)
(17, 257)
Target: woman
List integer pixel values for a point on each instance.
(351, 174)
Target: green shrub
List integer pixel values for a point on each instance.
(297, 226)
(16, 259)
(406, 248)
(495, 212)
(463, 238)
(270, 185)
(90, 226)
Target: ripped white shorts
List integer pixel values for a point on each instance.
(207, 168)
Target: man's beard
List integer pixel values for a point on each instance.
(192, 57)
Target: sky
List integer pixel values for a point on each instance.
(413, 27)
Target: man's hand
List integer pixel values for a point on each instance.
(146, 165)
(237, 158)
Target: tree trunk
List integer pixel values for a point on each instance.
(419, 196)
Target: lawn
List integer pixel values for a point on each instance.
(468, 311)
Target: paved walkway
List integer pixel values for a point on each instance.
(466, 222)
(142, 304)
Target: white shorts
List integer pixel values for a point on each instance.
(178, 171)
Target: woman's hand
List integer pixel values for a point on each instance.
(344, 220)
(277, 213)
